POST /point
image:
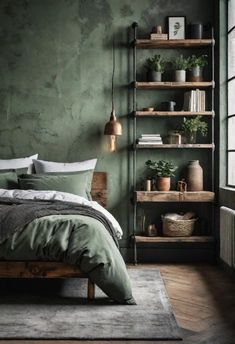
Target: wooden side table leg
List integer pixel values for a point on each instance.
(90, 290)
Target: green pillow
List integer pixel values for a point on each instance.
(77, 183)
(8, 180)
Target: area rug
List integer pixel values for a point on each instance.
(66, 314)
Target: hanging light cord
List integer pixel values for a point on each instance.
(113, 77)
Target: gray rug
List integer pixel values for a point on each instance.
(64, 313)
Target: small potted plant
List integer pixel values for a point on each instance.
(180, 64)
(163, 170)
(192, 126)
(195, 66)
(155, 67)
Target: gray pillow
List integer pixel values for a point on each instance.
(42, 166)
(78, 183)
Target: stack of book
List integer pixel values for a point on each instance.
(149, 139)
(194, 100)
(159, 36)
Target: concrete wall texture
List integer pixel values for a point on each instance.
(55, 80)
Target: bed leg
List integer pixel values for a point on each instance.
(90, 290)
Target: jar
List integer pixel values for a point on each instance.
(194, 176)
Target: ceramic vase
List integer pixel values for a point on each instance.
(195, 31)
(194, 176)
(195, 74)
(154, 76)
(163, 183)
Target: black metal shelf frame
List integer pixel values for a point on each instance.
(134, 118)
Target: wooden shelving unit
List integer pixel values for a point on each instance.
(174, 196)
(146, 85)
(172, 113)
(174, 146)
(141, 197)
(159, 239)
(172, 43)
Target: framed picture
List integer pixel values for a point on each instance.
(176, 27)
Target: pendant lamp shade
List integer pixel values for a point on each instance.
(113, 127)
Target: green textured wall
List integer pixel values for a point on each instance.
(55, 75)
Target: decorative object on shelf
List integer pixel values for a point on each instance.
(176, 27)
(157, 33)
(113, 128)
(163, 170)
(180, 64)
(194, 101)
(149, 109)
(148, 185)
(155, 67)
(191, 126)
(151, 230)
(174, 137)
(194, 176)
(148, 139)
(175, 225)
(195, 31)
(195, 67)
(168, 106)
(182, 185)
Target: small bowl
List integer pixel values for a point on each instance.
(148, 109)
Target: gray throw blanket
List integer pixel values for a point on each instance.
(16, 213)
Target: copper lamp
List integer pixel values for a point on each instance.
(113, 128)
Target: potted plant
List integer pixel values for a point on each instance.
(192, 126)
(155, 67)
(163, 170)
(180, 64)
(195, 66)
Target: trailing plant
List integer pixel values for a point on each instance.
(161, 168)
(197, 61)
(193, 125)
(180, 63)
(156, 63)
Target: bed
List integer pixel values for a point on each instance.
(102, 265)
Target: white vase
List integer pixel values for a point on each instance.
(180, 75)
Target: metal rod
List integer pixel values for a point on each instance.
(213, 106)
(134, 26)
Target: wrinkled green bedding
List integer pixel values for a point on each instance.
(74, 239)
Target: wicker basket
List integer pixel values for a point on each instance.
(177, 228)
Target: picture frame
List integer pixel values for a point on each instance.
(176, 27)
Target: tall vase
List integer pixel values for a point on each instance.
(194, 176)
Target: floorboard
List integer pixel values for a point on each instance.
(203, 300)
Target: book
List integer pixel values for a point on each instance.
(158, 36)
(194, 101)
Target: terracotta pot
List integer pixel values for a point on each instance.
(194, 176)
(163, 183)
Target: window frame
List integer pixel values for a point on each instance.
(228, 31)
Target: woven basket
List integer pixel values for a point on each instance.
(177, 228)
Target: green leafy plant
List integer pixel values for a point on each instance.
(194, 125)
(161, 168)
(197, 61)
(180, 63)
(156, 63)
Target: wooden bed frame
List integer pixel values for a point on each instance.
(50, 269)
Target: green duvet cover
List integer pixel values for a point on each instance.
(73, 239)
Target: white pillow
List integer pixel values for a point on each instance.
(42, 166)
(13, 164)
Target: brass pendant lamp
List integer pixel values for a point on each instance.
(113, 128)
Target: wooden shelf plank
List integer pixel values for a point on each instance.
(196, 239)
(144, 85)
(173, 43)
(172, 113)
(174, 196)
(170, 146)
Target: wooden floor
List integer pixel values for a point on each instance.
(203, 300)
